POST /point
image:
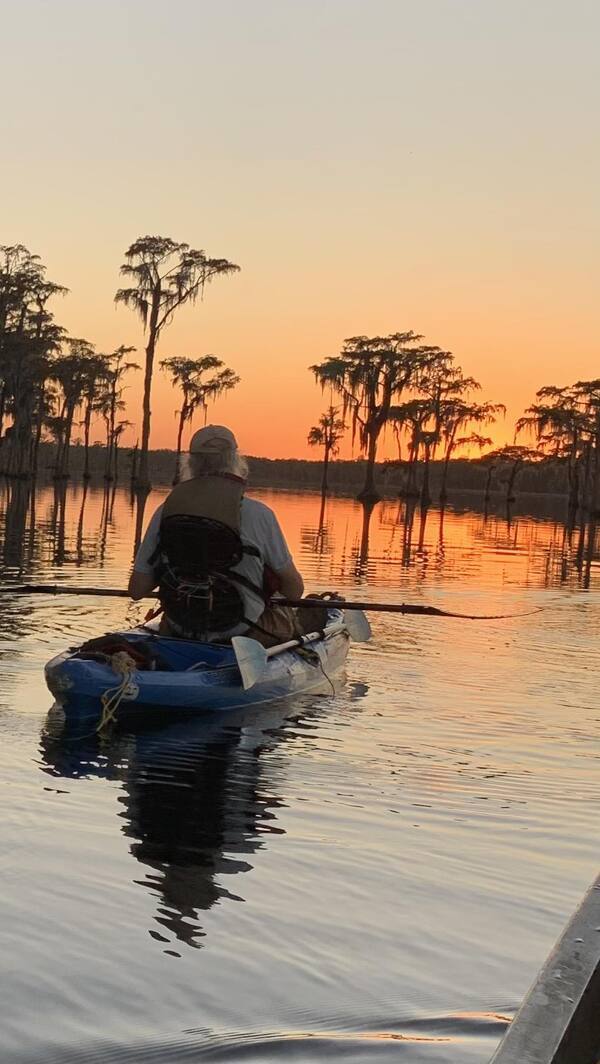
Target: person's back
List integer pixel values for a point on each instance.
(209, 547)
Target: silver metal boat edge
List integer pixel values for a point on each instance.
(559, 1020)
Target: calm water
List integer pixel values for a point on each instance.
(376, 876)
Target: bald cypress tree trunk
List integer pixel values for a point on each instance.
(143, 478)
(369, 492)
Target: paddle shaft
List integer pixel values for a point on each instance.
(66, 589)
(302, 640)
(307, 603)
(388, 607)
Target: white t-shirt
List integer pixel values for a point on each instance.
(258, 528)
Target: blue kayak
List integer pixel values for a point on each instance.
(191, 676)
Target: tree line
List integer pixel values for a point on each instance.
(55, 387)
(417, 392)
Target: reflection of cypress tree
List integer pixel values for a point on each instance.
(409, 520)
(422, 526)
(31, 535)
(58, 521)
(191, 806)
(111, 503)
(317, 541)
(80, 556)
(104, 522)
(590, 551)
(322, 514)
(361, 557)
(565, 550)
(16, 523)
(139, 520)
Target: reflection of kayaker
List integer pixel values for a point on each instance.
(214, 555)
(193, 812)
(194, 806)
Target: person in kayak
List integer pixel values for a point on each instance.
(214, 556)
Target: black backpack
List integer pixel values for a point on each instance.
(197, 589)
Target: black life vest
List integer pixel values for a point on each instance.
(199, 544)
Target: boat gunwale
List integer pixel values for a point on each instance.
(559, 1019)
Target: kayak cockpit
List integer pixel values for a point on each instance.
(157, 652)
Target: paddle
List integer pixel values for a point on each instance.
(393, 607)
(307, 603)
(252, 658)
(65, 589)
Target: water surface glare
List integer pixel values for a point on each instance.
(372, 876)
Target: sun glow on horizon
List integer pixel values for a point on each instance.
(428, 193)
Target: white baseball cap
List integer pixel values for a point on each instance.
(213, 438)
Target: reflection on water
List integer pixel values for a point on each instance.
(193, 802)
(339, 878)
(197, 800)
(378, 542)
(62, 524)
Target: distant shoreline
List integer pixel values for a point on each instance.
(346, 477)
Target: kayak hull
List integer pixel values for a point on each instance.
(201, 677)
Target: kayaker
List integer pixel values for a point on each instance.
(214, 555)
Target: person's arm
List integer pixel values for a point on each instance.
(278, 557)
(143, 580)
(291, 584)
(141, 584)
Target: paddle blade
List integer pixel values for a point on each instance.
(251, 659)
(357, 626)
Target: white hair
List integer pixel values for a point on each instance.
(200, 463)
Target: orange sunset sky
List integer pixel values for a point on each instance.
(372, 166)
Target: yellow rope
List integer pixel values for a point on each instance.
(124, 666)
